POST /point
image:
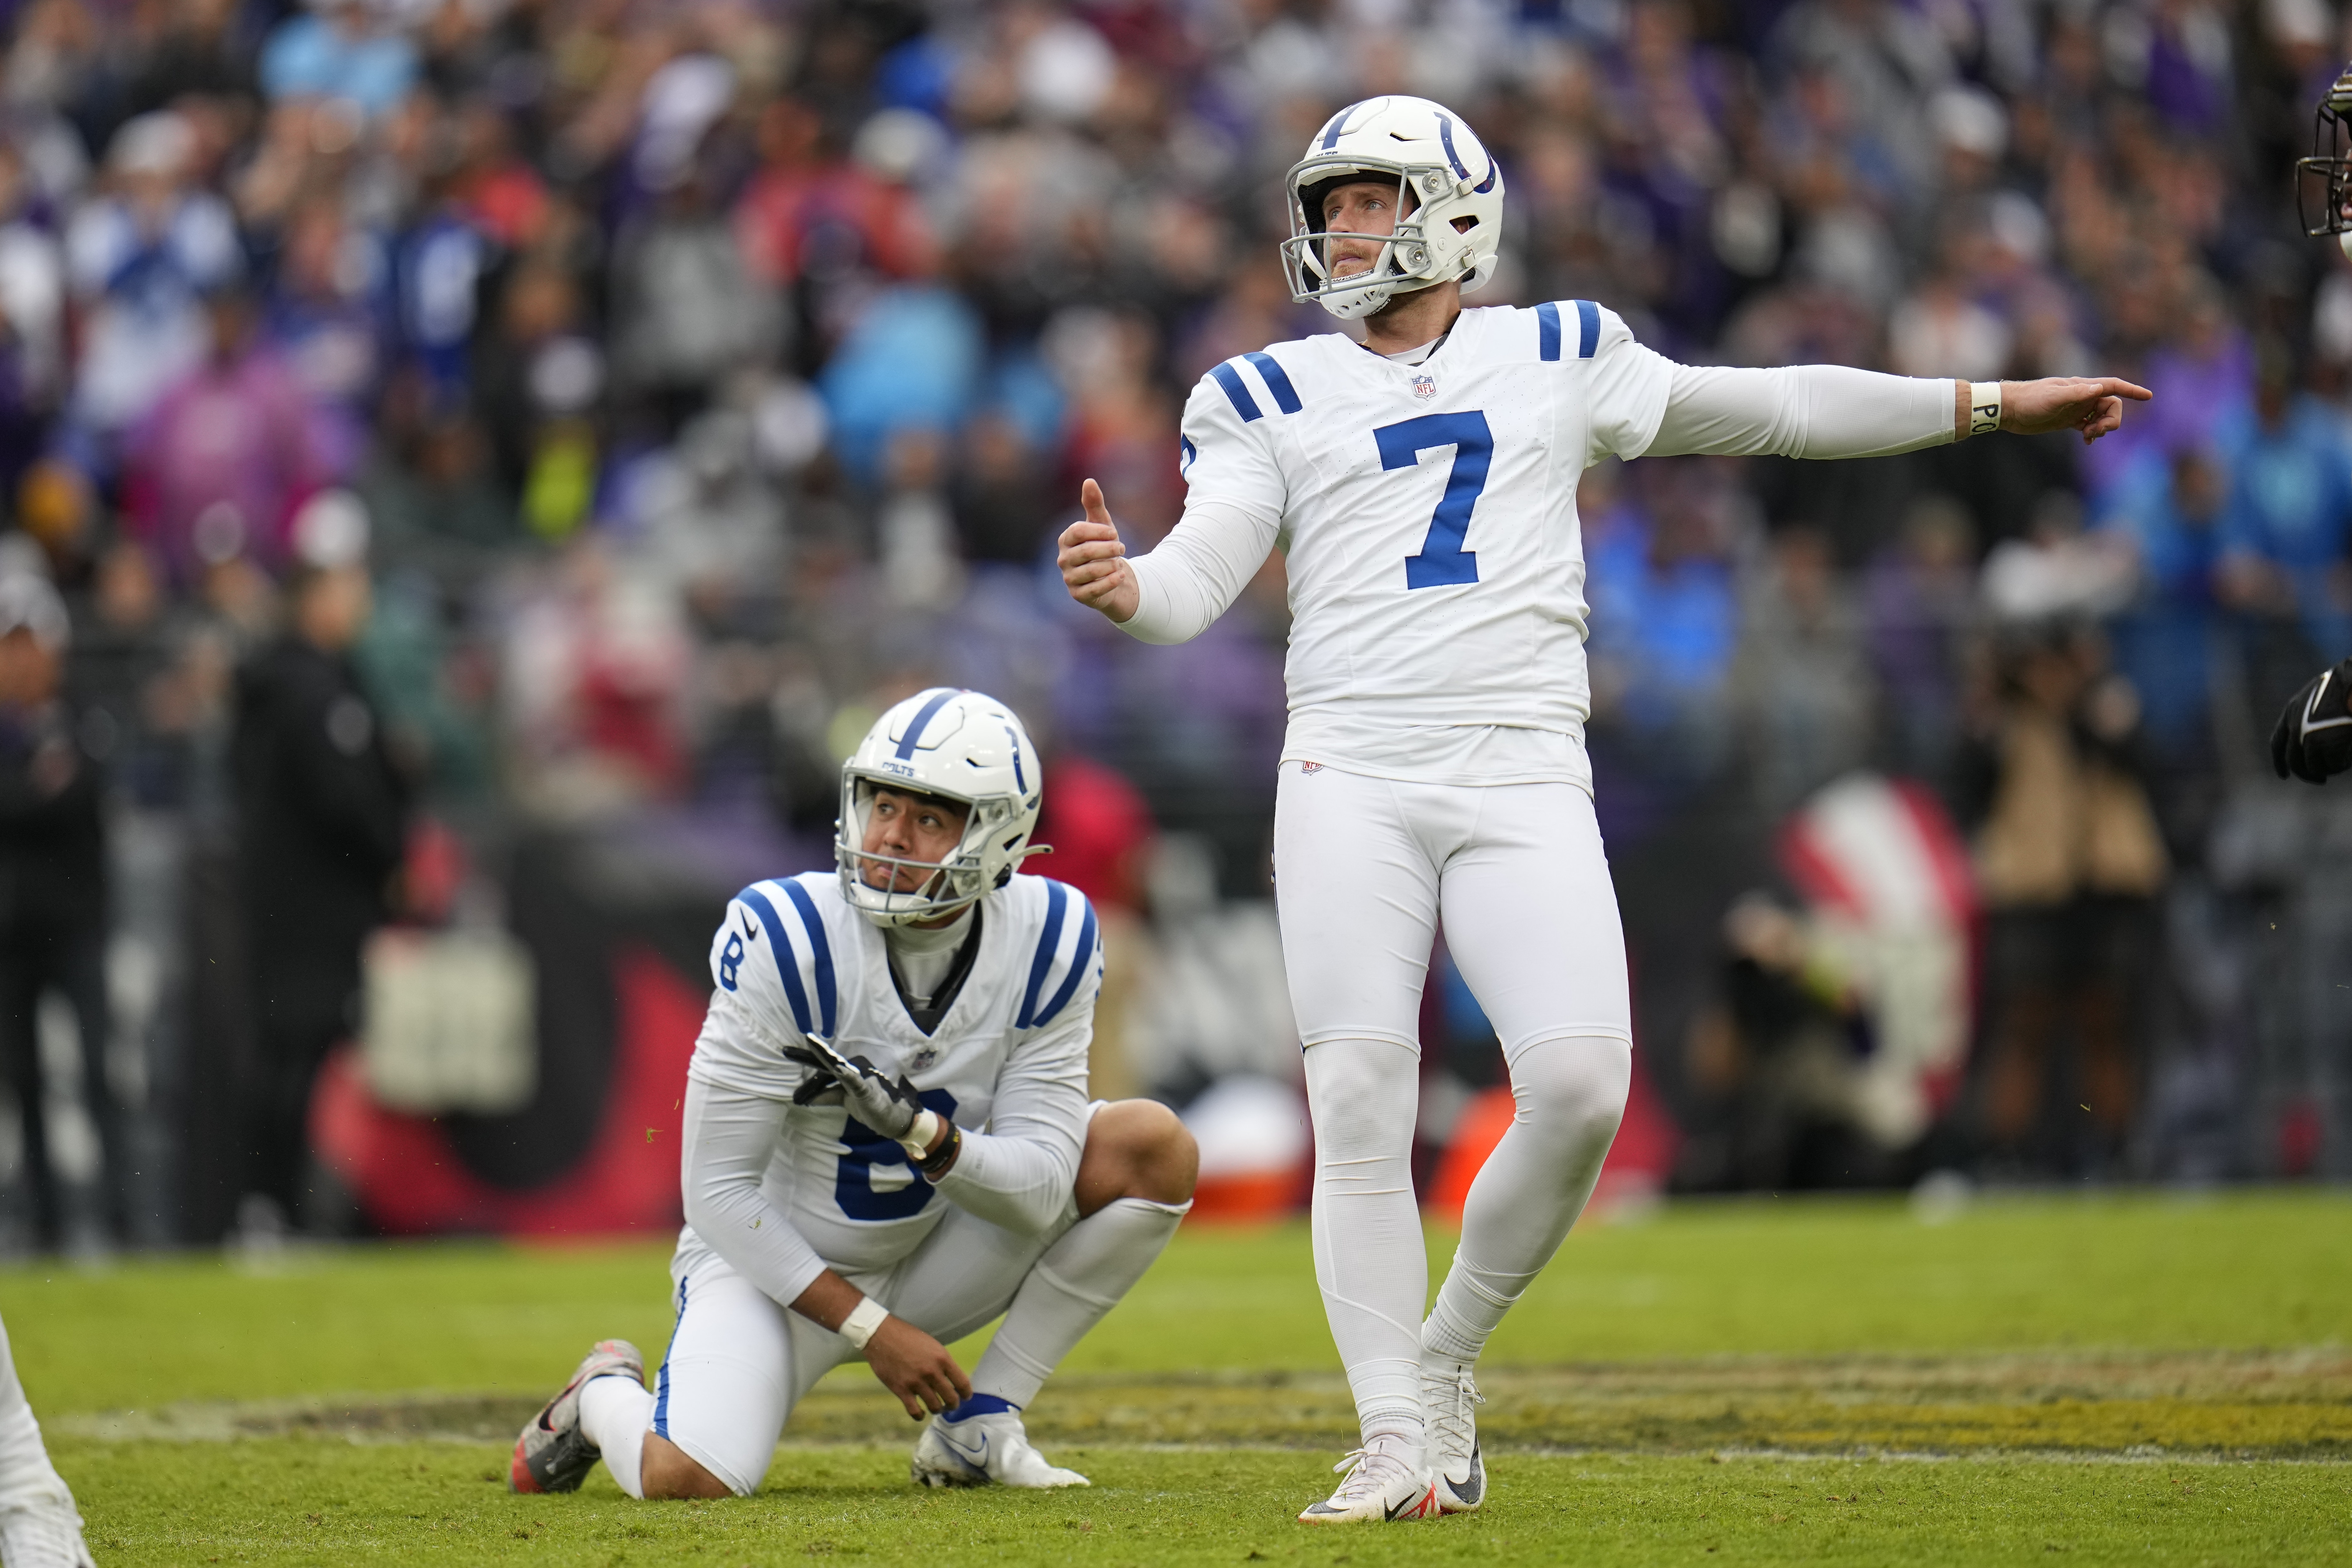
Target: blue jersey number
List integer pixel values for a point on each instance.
(853, 1182)
(1443, 562)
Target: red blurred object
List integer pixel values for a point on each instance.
(410, 1181)
(2299, 1137)
(431, 872)
(1254, 1195)
(1099, 827)
(1638, 1165)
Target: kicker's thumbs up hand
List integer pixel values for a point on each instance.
(1094, 563)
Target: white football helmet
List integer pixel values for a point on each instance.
(962, 746)
(1454, 228)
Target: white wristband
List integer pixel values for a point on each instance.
(918, 1140)
(863, 1320)
(1984, 407)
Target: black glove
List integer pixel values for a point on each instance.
(890, 1109)
(2313, 737)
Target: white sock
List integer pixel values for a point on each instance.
(1084, 1275)
(25, 1474)
(616, 1413)
(1570, 1094)
(1370, 1257)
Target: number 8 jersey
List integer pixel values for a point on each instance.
(1428, 514)
(1007, 1062)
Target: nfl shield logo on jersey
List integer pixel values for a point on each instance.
(1424, 386)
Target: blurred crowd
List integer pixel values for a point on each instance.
(438, 422)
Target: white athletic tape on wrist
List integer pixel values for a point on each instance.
(918, 1140)
(1984, 407)
(863, 1320)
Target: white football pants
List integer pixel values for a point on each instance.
(740, 1361)
(1364, 869)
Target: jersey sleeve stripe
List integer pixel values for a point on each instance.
(1235, 393)
(1588, 327)
(1277, 380)
(780, 948)
(1081, 957)
(1548, 331)
(1190, 450)
(914, 735)
(1056, 896)
(819, 948)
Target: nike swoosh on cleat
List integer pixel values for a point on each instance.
(1412, 1508)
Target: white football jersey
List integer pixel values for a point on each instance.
(1435, 563)
(1009, 1056)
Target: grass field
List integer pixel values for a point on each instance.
(2146, 1378)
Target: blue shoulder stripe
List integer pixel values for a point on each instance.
(1082, 958)
(1235, 393)
(1588, 327)
(1277, 380)
(1548, 331)
(780, 948)
(821, 949)
(1056, 898)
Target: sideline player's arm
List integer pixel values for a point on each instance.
(730, 1140)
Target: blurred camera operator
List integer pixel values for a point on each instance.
(52, 888)
(321, 820)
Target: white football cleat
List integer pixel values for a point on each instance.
(1382, 1483)
(1450, 1396)
(982, 1442)
(44, 1533)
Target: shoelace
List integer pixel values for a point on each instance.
(1451, 1419)
(1366, 1468)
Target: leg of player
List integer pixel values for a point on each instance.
(1550, 974)
(38, 1526)
(1134, 1184)
(709, 1427)
(1356, 883)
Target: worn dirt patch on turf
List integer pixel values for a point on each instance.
(2276, 1405)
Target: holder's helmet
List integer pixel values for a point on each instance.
(961, 746)
(1443, 173)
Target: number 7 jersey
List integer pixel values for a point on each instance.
(1428, 512)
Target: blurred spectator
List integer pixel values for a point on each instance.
(320, 822)
(215, 470)
(2289, 517)
(53, 902)
(1919, 599)
(2069, 860)
(141, 259)
(1802, 678)
(342, 52)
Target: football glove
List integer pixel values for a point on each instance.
(892, 1107)
(2313, 737)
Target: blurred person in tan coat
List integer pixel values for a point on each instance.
(2068, 861)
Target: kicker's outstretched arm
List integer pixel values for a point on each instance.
(1833, 411)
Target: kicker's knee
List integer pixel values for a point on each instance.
(1575, 1086)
